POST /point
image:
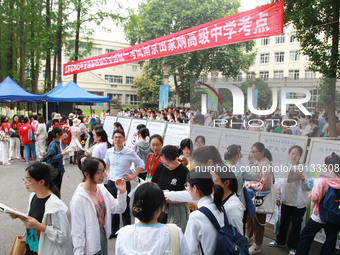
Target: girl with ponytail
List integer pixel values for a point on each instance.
(200, 233)
(47, 227)
(260, 158)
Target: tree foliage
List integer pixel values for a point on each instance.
(317, 25)
(157, 18)
(148, 85)
(32, 34)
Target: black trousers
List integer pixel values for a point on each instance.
(309, 232)
(111, 187)
(294, 215)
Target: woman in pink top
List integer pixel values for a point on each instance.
(315, 224)
(264, 180)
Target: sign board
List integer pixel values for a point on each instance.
(240, 137)
(156, 127)
(211, 134)
(319, 149)
(175, 133)
(133, 134)
(125, 123)
(108, 125)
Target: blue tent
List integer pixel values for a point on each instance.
(71, 92)
(56, 88)
(12, 92)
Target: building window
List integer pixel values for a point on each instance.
(116, 97)
(278, 75)
(109, 78)
(131, 99)
(294, 55)
(310, 75)
(250, 76)
(96, 51)
(27, 73)
(118, 79)
(109, 50)
(279, 57)
(293, 74)
(265, 41)
(238, 78)
(264, 58)
(204, 78)
(264, 76)
(293, 37)
(134, 68)
(129, 79)
(280, 39)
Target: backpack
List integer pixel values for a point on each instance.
(31, 136)
(229, 240)
(53, 170)
(329, 207)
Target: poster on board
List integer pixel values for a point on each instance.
(156, 127)
(279, 144)
(243, 138)
(108, 125)
(211, 135)
(133, 134)
(126, 124)
(175, 133)
(319, 149)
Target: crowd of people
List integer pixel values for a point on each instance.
(174, 193)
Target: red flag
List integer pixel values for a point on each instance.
(261, 22)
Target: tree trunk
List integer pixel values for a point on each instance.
(48, 50)
(59, 40)
(22, 47)
(54, 70)
(10, 50)
(76, 44)
(331, 83)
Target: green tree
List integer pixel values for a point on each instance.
(158, 18)
(148, 85)
(317, 25)
(264, 92)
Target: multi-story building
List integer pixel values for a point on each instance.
(115, 82)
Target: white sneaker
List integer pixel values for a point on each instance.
(7, 164)
(255, 249)
(9, 159)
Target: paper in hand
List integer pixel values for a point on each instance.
(8, 210)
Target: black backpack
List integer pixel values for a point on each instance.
(229, 240)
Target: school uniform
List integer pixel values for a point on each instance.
(200, 232)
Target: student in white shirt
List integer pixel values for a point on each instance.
(233, 207)
(91, 208)
(200, 234)
(148, 236)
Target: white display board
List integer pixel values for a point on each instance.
(108, 125)
(133, 134)
(279, 144)
(240, 137)
(319, 149)
(175, 133)
(125, 123)
(212, 135)
(156, 127)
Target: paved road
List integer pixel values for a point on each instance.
(14, 194)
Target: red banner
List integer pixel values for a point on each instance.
(261, 22)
